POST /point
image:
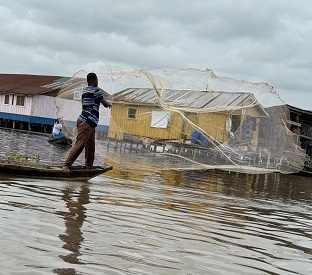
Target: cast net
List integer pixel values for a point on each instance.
(186, 119)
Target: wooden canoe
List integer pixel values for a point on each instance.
(51, 172)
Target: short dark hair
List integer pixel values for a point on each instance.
(91, 76)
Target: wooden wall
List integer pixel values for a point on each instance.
(14, 109)
(43, 106)
(120, 123)
(211, 123)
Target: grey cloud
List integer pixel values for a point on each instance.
(261, 41)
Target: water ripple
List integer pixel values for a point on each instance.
(157, 222)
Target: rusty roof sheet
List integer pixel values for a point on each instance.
(29, 84)
(193, 99)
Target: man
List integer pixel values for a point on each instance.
(57, 130)
(87, 122)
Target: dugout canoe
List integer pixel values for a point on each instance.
(51, 172)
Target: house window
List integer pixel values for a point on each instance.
(161, 119)
(20, 100)
(132, 113)
(6, 99)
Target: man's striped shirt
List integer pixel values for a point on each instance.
(90, 99)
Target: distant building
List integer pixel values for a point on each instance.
(29, 102)
(301, 124)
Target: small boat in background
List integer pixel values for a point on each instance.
(58, 137)
(61, 141)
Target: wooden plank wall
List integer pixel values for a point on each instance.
(212, 123)
(14, 109)
(120, 123)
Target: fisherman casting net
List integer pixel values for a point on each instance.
(187, 119)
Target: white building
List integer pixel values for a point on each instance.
(29, 102)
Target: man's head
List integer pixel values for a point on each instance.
(92, 79)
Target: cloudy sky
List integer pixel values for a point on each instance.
(266, 41)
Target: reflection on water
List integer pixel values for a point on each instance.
(73, 219)
(134, 220)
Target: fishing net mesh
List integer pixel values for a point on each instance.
(187, 119)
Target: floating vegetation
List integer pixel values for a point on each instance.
(22, 158)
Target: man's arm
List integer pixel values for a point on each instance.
(105, 103)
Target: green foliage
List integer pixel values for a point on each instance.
(23, 158)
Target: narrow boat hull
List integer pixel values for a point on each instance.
(52, 172)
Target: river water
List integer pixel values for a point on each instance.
(137, 219)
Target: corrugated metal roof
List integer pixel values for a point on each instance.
(219, 101)
(29, 84)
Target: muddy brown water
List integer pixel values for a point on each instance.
(139, 220)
